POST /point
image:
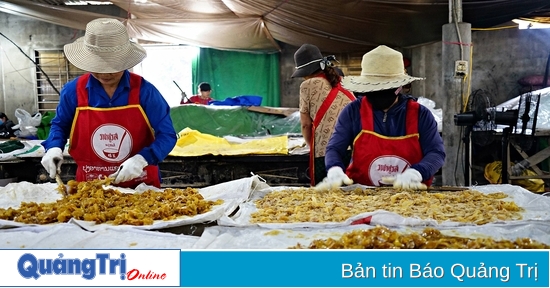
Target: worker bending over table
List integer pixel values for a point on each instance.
(118, 124)
(394, 139)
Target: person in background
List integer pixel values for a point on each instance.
(394, 139)
(118, 123)
(321, 100)
(203, 97)
(6, 126)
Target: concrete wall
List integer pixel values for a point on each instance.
(500, 58)
(290, 87)
(17, 79)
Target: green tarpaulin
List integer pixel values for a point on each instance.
(232, 121)
(233, 73)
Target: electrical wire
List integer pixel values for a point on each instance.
(466, 98)
(458, 160)
(495, 28)
(35, 64)
(15, 69)
(455, 15)
(463, 96)
(470, 70)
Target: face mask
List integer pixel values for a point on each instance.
(1, 122)
(381, 100)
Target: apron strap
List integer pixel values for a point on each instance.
(81, 92)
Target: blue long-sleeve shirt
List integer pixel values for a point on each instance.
(391, 123)
(154, 105)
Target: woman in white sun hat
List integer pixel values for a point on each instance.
(118, 124)
(394, 139)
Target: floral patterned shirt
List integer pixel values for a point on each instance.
(313, 92)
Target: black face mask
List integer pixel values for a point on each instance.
(381, 100)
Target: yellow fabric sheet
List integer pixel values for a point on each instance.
(193, 143)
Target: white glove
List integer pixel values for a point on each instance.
(335, 179)
(409, 179)
(129, 169)
(52, 161)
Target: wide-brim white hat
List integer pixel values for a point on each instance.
(105, 48)
(381, 68)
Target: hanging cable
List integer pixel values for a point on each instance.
(495, 28)
(15, 69)
(35, 64)
(455, 14)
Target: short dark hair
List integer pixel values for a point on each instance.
(2, 115)
(204, 87)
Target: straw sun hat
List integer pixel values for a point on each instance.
(105, 48)
(382, 68)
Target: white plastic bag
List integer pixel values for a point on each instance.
(437, 113)
(26, 123)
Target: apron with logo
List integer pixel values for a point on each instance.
(103, 138)
(318, 117)
(376, 156)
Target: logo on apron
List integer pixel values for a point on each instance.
(384, 166)
(111, 142)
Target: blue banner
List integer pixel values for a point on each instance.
(365, 268)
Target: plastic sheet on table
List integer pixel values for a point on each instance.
(69, 236)
(61, 235)
(223, 237)
(536, 207)
(233, 193)
(110, 238)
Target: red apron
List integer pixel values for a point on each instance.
(318, 117)
(103, 138)
(375, 156)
